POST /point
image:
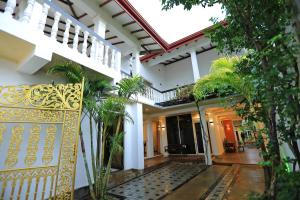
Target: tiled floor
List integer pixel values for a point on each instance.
(249, 156)
(198, 187)
(158, 183)
(249, 179)
(155, 161)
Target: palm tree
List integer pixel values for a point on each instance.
(107, 110)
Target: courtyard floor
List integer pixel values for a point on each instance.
(232, 177)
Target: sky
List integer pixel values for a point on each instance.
(176, 23)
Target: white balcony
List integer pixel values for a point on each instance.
(26, 40)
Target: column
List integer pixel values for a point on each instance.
(196, 72)
(136, 63)
(100, 26)
(133, 139)
(207, 150)
(163, 135)
(149, 145)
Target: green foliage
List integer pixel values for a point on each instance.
(107, 110)
(129, 87)
(222, 80)
(185, 92)
(266, 32)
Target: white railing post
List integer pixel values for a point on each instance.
(10, 7)
(43, 18)
(100, 52)
(84, 45)
(75, 39)
(118, 61)
(112, 61)
(55, 25)
(106, 55)
(28, 11)
(66, 33)
(93, 48)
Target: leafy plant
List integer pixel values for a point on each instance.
(104, 106)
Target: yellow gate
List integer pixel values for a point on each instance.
(39, 128)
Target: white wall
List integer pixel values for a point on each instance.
(205, 60)
(179, 73)
(154, 75)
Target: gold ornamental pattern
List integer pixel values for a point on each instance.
(33, 145)
(30, 115)
(66, 172)
(49, 144)
(61, 96)
(2, 131)
(14, 146)
(38, 118)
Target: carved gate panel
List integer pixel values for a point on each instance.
(39, 128)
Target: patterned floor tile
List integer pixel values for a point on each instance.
(158, 183)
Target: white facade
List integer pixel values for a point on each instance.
(26, 53)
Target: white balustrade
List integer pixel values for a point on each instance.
(55, 25)
(66, 33)
(10, 7)
(106, 55)
(113, 57)
(84, 45)
(28, 11)
(101, 51)
(43, 18)
(75, 39)
(93, 48)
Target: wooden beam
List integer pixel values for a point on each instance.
(104, 3)
(151, 51)
(118, 14)
(121, 42)
(149, 44)
(65, 2)
(72, 9)
(188, 55)
(90, 26)
(143, 37)
(138, 30)
(110, 38)
(128, 23)
(81, 16)
(143, 46)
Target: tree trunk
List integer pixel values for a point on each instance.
(88, 175)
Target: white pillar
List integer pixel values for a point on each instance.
(137, 63)
(163, 135)
(133, 139)
(99, 26)
(149, 131)
(196, 72)
(207, 150)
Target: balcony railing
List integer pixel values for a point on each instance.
(92, 46)
(163, 98)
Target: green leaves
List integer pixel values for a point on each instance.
(72, 71)
(129, 87)
(222, 80)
